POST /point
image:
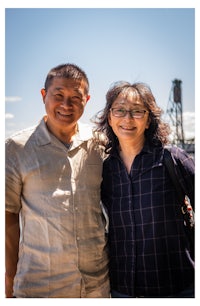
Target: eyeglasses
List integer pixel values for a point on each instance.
(121, 112)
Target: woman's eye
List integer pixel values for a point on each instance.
(121, 111)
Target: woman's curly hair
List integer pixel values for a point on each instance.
(158, 132)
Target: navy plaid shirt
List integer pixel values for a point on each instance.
(149, 251)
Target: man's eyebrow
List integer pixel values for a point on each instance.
(58, 88)
(78, 91)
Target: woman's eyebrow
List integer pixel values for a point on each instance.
(123, 103)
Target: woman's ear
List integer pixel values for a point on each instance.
(148, 122)
(109, 119)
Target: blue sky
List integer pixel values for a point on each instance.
(152, 45)
(149, 41)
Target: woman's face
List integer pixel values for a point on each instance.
(126, 125)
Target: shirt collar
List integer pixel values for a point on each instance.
(44, 137)
(147, 148)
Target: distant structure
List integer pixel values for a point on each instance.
(175, 113)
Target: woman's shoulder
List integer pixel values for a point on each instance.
(181, 157)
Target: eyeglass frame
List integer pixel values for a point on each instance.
(131, 112)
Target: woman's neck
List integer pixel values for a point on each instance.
(128, 151)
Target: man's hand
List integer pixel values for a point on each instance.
(9, 286)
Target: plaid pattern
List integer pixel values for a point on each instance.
(148, 247)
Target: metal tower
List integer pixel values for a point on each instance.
(174, 110)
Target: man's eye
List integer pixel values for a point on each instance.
(76, 98)
(58, 96)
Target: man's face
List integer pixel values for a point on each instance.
(64, 101)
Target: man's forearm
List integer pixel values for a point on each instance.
(12, 248)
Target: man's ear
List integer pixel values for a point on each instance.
(87, 99)
(43, 93)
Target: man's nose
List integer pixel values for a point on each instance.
(67, 101)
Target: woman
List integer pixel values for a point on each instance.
(150, 254)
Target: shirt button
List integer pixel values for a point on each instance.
(76, 208)
(77, 238)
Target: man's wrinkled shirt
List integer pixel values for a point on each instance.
(56, 190)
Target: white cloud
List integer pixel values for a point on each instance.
(13, 99)
(9, 116)
(189, 125)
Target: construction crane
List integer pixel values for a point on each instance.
(175, 113)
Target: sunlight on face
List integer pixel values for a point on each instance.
(127, 127)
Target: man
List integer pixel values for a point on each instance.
(55, 230)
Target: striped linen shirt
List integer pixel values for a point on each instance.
(149, 251)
